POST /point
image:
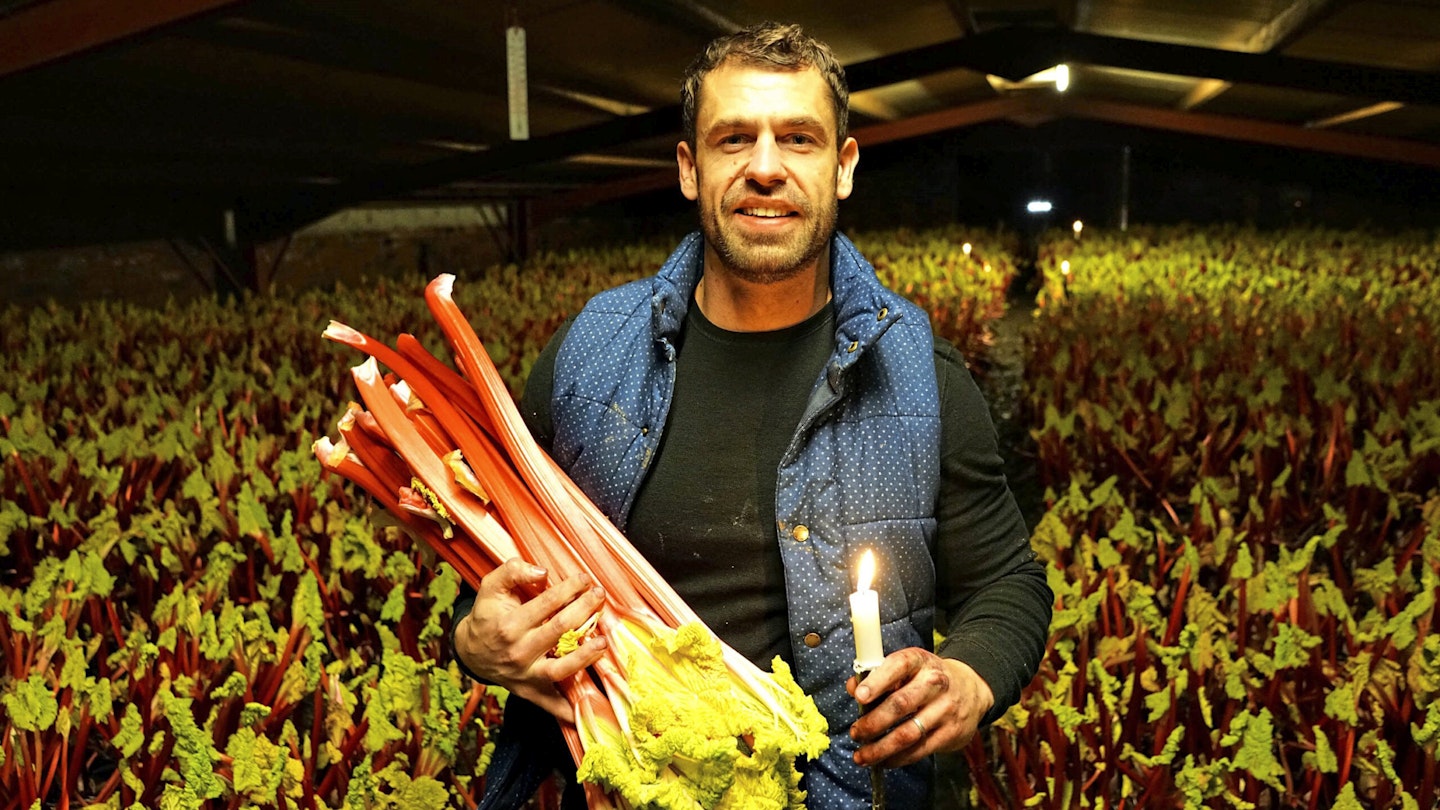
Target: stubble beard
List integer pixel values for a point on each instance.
(773, 260)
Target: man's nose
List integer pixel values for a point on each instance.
(767, 163)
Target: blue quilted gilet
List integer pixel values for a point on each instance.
(862, 471)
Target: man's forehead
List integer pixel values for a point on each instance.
(731, 89)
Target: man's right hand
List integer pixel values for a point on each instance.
(507, 640)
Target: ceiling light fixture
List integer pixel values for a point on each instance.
(1057, 77)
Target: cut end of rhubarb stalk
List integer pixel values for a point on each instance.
(402, 391)
(405, 396)
(443, 284)
(347, 420)
(339, 453)
(340, 333)
(331, 454)
(367, 372)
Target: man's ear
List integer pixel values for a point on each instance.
(689, 184)
(849, 158)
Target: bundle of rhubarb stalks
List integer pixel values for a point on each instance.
(670, 716)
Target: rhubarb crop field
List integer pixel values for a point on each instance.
(1239, 433)
(1241, 436)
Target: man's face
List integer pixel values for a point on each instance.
(766, 170)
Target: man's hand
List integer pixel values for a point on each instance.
(507, 640)
(918, 703)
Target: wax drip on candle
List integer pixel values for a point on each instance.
(865, 616)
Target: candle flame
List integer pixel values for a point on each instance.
(867, 571)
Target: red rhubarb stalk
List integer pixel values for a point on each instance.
(537, 469)
(459, 556)
(464, 508)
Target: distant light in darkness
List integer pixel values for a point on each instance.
(1038, 206)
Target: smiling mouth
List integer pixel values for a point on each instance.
(767, 213)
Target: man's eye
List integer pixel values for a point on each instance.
(733, 140)
(801, 140)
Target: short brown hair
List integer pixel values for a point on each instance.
(769, 45)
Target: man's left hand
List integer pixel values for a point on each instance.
(917, 704)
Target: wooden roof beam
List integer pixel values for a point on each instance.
(342, 45)
(1283, 29)
(1370, 147)
(1354, 115)
(42, 33)
(691, 16)
(960, 10)
(1293, 22)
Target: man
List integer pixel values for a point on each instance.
(755, 416)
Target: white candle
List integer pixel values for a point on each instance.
(865, 617)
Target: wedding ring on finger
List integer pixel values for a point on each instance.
(918, 725)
